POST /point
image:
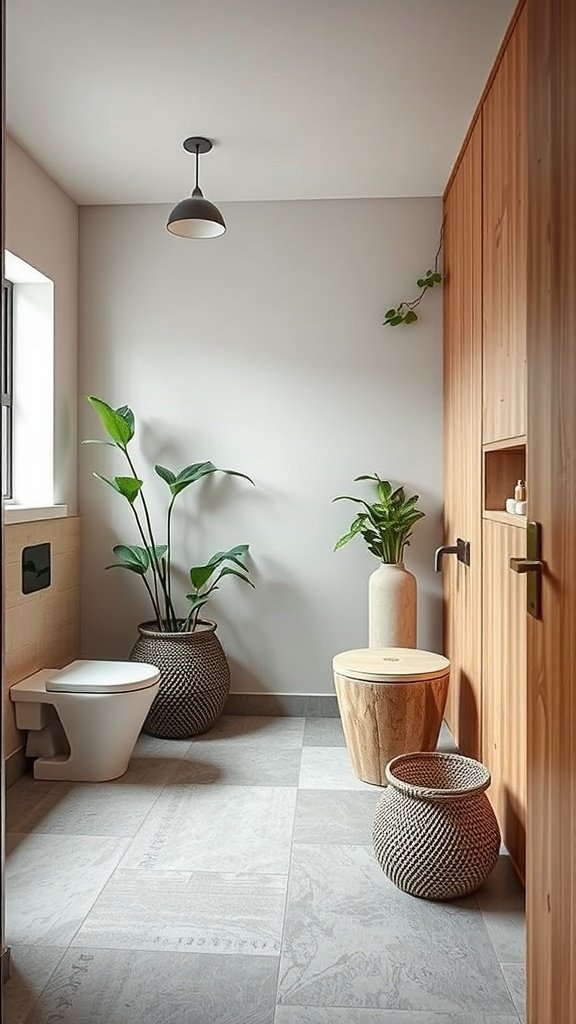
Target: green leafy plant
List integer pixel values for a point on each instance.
(405, 311)
(153, 562)
(385, 524)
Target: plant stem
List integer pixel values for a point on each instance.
(169, 610)
(169, 550)
(155, 601)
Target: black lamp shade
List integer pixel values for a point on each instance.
(196, 217)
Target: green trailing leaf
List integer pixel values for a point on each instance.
(405, 312)
(115, 422)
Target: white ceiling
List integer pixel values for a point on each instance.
(305, 99)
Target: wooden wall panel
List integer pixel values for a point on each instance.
(463, 441)
(504, 681)
(40, 630)
(551, 854)
(504, 243)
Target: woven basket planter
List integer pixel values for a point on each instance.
(435, 834)
(194, 679)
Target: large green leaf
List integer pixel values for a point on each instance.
(126, 413)
(117, 423)
(200, 574)
(227, 571)
(190, 474)
(355, 528)
(198, 470)
(165, 474)
(131, 557)
(135, 558)
(127, 486)
(234, 554)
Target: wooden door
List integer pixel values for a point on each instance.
(504, 681)
(463, 441)
(504, 238)
(551, 834)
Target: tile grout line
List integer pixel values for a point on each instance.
(288, 878)
(130, 840)
(31, 1013)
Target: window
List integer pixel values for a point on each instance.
(7, 386)
(27, 387)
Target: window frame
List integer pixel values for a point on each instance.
(7, 384)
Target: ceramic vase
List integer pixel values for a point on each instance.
(392, 607)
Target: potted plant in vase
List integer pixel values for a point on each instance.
(386, 527)
(195, 677)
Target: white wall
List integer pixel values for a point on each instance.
(263, 350)
(41, 227)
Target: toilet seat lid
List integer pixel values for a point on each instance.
(102, 677)
(391, 664)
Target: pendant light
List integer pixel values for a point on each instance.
(196, 217)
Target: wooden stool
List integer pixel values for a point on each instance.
(391, 702)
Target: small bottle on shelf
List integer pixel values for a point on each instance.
(520, 498)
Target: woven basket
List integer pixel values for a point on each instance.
(435, 834)
(194, 679)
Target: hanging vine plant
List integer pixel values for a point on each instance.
(405, 311)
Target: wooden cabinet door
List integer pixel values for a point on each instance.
(504, 243)
(504, 681)
(551, 853)
(463, 441)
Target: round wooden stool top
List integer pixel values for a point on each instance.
(391, 702)
(390, 665)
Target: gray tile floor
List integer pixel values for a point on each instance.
(231, 881)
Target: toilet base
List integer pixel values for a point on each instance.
(79, 736)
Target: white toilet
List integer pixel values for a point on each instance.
(84, 720)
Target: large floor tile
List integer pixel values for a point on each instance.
(115, 808)
(501, 900)
(329, 768)
(52, 882)
(120, 987)
(153, 747)
(347, 1015)
(256, 730)
(243, 765)
(217, 828)
(334, 816)
(352, 939)
(31, 968)
(324, 732)
(199, 912)
(515, 975)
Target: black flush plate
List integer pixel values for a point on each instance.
(36, 569)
